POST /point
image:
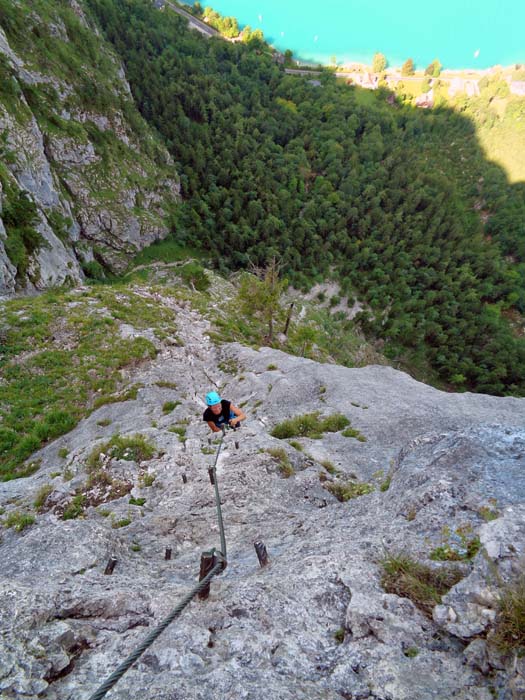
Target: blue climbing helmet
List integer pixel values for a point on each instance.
(212, 398)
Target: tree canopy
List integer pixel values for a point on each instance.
(380, 197)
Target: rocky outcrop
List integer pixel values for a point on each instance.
(317, 622)
(101, 189)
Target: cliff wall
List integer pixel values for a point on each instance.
(84, 182)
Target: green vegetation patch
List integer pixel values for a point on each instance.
(123, 522)
(283, 462)
(309, 425)
(296, 445)
(509, 633)
(75, 508)
(41, 496)
(20, 217)
(61, 354)
(147, 479)
(346, 490)
(353, 433)
(166, 251)
(19, 520)
(133, 448)
(136, 501)
(423, 585)
(460, 545)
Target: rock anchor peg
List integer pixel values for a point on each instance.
(167, 554)
(262, 554)
(110, 566)
(184, 479)
(207, 564)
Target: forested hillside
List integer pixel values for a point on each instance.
(335, 181)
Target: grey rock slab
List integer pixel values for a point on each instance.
(316, 622)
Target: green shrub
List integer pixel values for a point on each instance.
(136, 501)
(169, 406)
(20, 216)
(63, 452)
(423, 585)
(93, 270)
(195, 276)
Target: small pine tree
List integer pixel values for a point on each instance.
(434, 69)
(408, 67)
(260, 296)
(379, 63)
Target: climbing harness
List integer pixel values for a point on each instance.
(212, 564)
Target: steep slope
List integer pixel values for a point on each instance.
(83, 179)
(317, 623)
(335, 181)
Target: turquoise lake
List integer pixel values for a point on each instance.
(461, 33)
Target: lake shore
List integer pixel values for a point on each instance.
(392, 72)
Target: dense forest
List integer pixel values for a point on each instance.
(337, 182)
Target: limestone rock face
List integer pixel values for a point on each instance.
(314, 624)
(94, 183)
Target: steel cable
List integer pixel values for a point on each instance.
(137, 653)
(217, 568)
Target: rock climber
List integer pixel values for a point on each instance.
(221, 412)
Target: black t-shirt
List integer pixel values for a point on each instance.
(224, 416)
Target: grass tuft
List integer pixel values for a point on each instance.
(346, 490)
(310, 425)
(19, 520)
(134, 448)
(283, 463)
(76, 508)
(41, 496)
(423, 585)
(509, 634)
